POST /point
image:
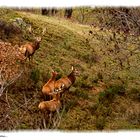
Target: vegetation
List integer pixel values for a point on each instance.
(105, 96)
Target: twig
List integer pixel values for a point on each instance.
(7, 100)
(25, 99)
(5, 84)
(54, 123)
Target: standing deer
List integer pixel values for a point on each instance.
(30, 48)
(50, 107)
(65, 83)
(48, 88)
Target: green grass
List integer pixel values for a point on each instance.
(64, 44)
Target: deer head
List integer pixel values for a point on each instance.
(75, 71)
(38, 39)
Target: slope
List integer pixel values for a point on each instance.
(99, 98)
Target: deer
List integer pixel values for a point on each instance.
(48, 88)
(65, 83)
(50, 107)
(29, 48)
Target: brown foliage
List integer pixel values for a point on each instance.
(10, 63)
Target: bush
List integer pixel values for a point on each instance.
(81, 93)
(110, 93)
(118, 89)
(70, 104)
(82, 83)
(45, 75)
(134, 93)
(35, 75)
(102, 110)
(106, 96)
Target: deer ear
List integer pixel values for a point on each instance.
(72, 68)
(38, 39)
(54, 72)
(43, 31)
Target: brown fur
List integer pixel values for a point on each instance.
(66, 82)
(48, 88)
(52, 105)
(31, 47)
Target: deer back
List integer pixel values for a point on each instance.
(63, 83)
(29, 48)
(48, 87)
(66, 82)
(55, 105)
(51, 105)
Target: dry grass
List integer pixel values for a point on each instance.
(86, 105)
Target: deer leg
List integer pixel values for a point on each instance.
(50, 119)
(63, 99)
(32, 58)
(60, 116)
(44, 96)
(44, 121)
(29, 60)
(56, 119)
(57, 111)
(47, 97)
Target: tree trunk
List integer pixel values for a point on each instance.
(45, 11)
(68, 12)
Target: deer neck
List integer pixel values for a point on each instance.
(72, 77)
(53, 77)
(56, 97)
(36, 45)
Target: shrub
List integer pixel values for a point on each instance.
(110, 93)
(35, 75)
(45, 75)
(82, 83)
(106, 96)
(70, 104)
(134, 93)
(81, 93)
(118, 89)
(102, 110)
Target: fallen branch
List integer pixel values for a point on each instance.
(4, 84)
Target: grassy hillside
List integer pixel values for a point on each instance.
(104, 97)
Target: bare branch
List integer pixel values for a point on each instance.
(5, 84)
